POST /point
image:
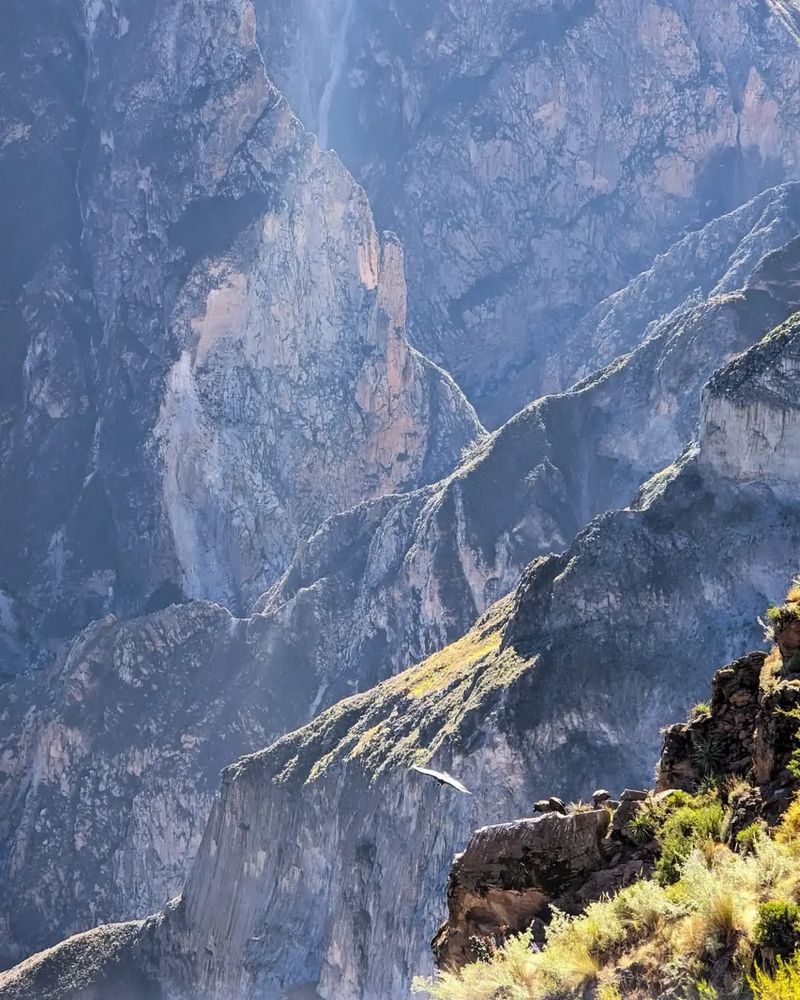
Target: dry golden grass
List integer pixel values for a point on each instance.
(439, 670)
(709, 916)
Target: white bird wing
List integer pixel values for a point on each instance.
(443, 776)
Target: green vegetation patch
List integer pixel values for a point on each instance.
(685, 828)
(777, 929)
(713, 922)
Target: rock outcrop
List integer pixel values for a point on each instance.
(208, 354)
(560, 688)
(725, 729)
(209, 335)
(533, 156)
(510, 874)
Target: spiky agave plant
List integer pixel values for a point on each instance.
(707, 755)
(643, 827)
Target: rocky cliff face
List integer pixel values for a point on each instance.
(533, 156)
(208, 354)
(145, 713)
(209, 351)
(396, 579)
(583, 648)
(547, 692)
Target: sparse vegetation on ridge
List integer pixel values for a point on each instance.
(408, 717)
(709, 907)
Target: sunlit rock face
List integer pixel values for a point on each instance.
(751, 413)
(391, 581)
(598, 648)
(209, 355)
(534, 155)
(207, 346)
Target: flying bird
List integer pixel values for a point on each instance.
(443, 778)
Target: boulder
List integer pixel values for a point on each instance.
(634, 795)
(510, 874)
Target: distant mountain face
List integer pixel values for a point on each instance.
(129, 730)
(391, 581)
(534, 155)
(322, 865)
(206, 334)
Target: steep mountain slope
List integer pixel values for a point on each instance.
(208, 336)
(391, 581)
(127, 733)
(534, 155)
(561, 687)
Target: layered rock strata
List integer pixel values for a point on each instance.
(209, 336)
(191, 687)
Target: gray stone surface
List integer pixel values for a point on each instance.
(207, 335)
(127, 732)
(534, 155)
(208, 353)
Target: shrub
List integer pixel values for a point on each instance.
(719, 891)
(784, 985)
(642, 908)
(788, 832)
(750, 836)
(513, 972)
(778, 928)
(687, 827)
(779, 616)
(575, 943)
(644, 825)
(707, 755)
(700, 709)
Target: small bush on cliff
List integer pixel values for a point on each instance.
(687, 827)
(511, 973)
(643, 826)
(779, 616)
(788, 832)
(707, 756)
(735, 787)
(750, 837)
(777, 930)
